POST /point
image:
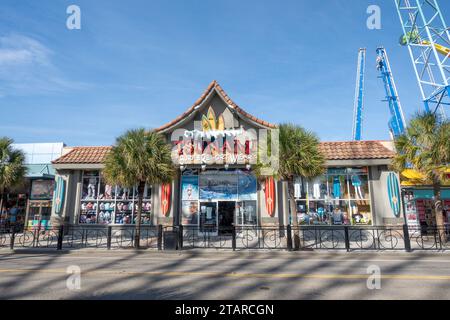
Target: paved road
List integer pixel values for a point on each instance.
(223, 275)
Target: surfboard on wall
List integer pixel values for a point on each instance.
(165, 198)
(221, 123)
(269, 196)
(393, 189)
(205, 124)
(59, 194)
(211, 118)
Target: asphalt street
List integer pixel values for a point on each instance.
(198, 274)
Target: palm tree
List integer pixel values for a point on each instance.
(137, 158)
(12, 169)
(299, 155)
(425, 147)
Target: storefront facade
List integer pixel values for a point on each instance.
(30, 203)
(214, 147)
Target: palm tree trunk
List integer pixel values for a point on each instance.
(438, 210)
(137, 235)
(293, 210)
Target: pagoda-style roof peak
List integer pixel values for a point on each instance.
(214, 87)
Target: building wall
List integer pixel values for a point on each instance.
(383, 214)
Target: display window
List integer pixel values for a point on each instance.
(42, 189)
(189, 210)
(246, 213)
(102, 203)
(340, 197)
(235, 187)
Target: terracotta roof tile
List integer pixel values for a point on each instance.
(345, 150)
(84, 155)
(211, 86)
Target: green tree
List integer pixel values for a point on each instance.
(299, 155)
(137, 158)
(12, 168)
(425, 147)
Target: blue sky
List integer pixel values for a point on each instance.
(142, 63)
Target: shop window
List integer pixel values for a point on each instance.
(106, 204)
(246, 213)
(361, 213)
(340, 197)
(189, 210)
(359, 187)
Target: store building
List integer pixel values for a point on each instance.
(31, 202)
(419, 199)
(215, 145)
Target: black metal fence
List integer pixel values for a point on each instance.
(160, 237)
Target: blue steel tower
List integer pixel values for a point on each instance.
(397, 120)
(359, 96)
(428, 39)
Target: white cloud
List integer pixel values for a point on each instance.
(26, 68)
(18, 50)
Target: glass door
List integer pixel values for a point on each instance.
(208, 217)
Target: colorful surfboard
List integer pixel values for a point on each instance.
(394, 197)
(165, 198)
(205, 124)
(220, 123)
(269, 194)
(212, 118)
(59, 195)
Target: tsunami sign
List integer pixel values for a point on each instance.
(59, 194)
(393, 189)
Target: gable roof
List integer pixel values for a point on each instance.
(345, 150)
(214, 85)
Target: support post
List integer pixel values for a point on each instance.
(180, 237)
(406, 238)
(160, 236)
(289, 237)
(347, 239)
(405, 224)
(60, 237)
(233, 239)
(108, 239)
(13, 239)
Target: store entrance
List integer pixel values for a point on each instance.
(226, 216)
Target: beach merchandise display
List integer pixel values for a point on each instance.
(356, 183)
(341, 196)
(105, 204)
(189, 211)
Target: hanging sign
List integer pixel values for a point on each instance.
(393, 189)
(269, 193)
(165, 198)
